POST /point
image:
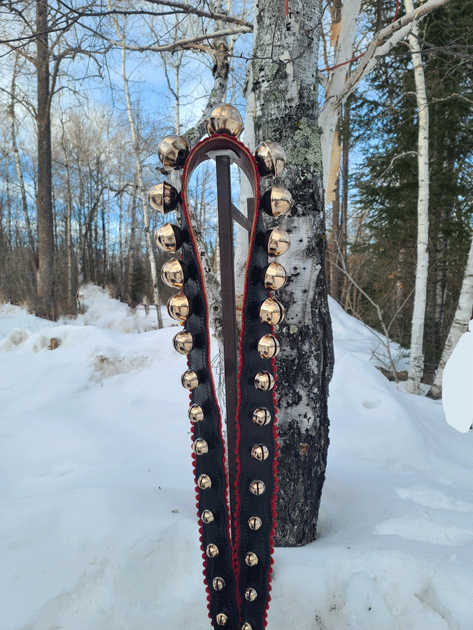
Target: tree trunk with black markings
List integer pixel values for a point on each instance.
(282, 106)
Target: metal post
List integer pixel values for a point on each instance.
(229, 328)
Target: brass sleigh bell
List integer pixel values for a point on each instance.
(174, 273)
(251, 559)
(189, 380)
(254, 523)
(246, 626)
(276, 201)
(204, 482)
(261, 416)
(224, 119)
(270, 158)
(251, 594)
(268, 347)
(207, 516)
(271, 312)
(257, 487)
(264, 381)
(173, 151)
(200, 447)
(195, 413)
(276, 242)
(163, 198)
(218, 583)
(212, 551)
(260, 452)
(221, 619)
(168, 238)
(274, 276)
(178, 307)
(183, 342)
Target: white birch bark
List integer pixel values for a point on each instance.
(459, 325)
(416, 362)
(141, 186)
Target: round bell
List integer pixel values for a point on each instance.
(268, 347)
(251, 594)
(246, 626)
(270, 158)
(212, 550)
(276, 242)
(218, 583)
(195, 413)
(260, 452)
(189, 380)
(264, 381)
(261, 416)
(178, 307)
(168, 238)
(251, 559)
(204, 482)
(207, 516)
(276, 201)
(274, 276)
(221, 619)
(224, 119)
(200, 447)
(254, 523)
(183, 342)
(174, 273)
(163, 197)
(271, 312)
(173, 151)
(257, 487)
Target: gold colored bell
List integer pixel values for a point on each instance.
(218, 583)
(183, 342)
(259, 452)
(195, 413)
(268, 347)
(173, 151)
(212, 550)
(270, 158)
(264, 381)
(163, 197)
(276, 242)
(168, 238)
(251, 594)
(207, 516)
(254, 522)
(178, 307)
(189, 380)
(277, 201)
(257, 487)
(224, 119)
(246, 626)
(251, 559)
(174, 273)
(271, 312)
(204, 482)
(221, 619)
(200, 447)
(274, 276)
(261, 416)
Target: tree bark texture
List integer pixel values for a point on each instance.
(282, 106)
(416, 363)
(45, 276)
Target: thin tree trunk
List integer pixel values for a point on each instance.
(141, 186)
(46, 306)
(459, 325)
(416, 364)
(282, 106)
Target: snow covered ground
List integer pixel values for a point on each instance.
(97, 519)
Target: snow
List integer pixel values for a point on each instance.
(457, 384)
(97, 519)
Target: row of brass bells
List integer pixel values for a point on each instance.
(224, 118)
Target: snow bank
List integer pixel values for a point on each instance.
(97, 511)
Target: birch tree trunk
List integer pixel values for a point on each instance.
(282, 106)
(141, 186)
(416, 364)
(459, 325)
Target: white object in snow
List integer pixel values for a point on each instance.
(457, 384)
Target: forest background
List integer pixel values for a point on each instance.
(121, 77)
